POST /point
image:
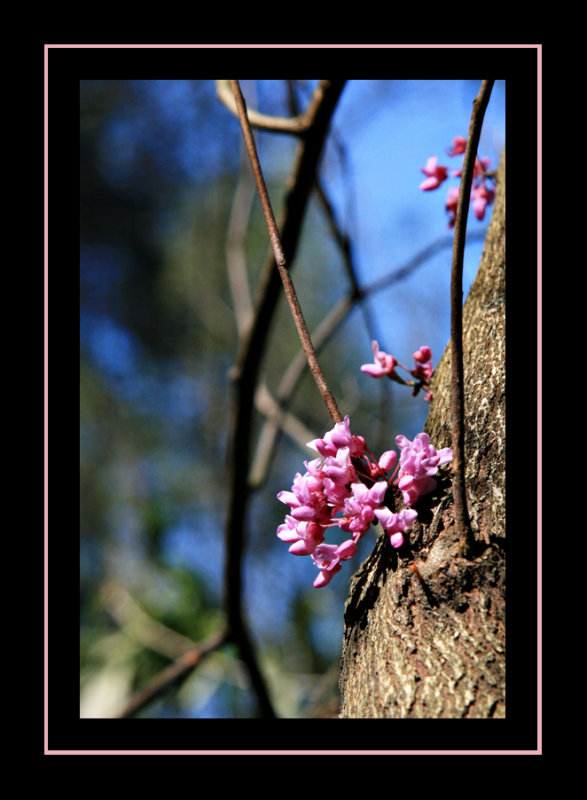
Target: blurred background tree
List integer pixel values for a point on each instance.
(170, 224)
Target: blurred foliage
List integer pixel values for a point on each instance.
(160, 163)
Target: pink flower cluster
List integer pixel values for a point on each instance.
(482, 190)
(345, 487)
(418, 463)
(385, 364)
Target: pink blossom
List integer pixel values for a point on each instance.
(387, 460)
(436, 174)
(327, 558)
(306, 498)
(459, 143)
(482, 197)
(325, 576)
(287, 531)
(339, 436)
(385, 464)
(480, 167)
(311, 535)
(423, 369)
(335, 494)
(347, 549)
(338, 472)
(359, 509)
(423, 354)
(396, 524)
(332, 494)
(384, 364)
(482, 194)
(339, 468)
(302, 536)
(419, 461)
(364, 497)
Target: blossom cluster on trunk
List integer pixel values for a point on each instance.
(385, 364)
(345, 487)
(482, 190)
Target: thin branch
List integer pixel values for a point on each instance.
(176, 672)
(297, 125)
(141, 627)
(235, 257)
(279, 419)
(428, 252)
(462, 521)
(343, 240)
(321, 336)
(281, 261)
(246, 368)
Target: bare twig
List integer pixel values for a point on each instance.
(320, 336)
(297, 125)
(293, 427)
(281, 261)
(235, 259)
(462, 521)
(246, 369)
(278, 419)
(140, 626)
(174, 673)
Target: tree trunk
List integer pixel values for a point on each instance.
(425, 634)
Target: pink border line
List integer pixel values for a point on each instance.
(293, 752)
(303, 46)
(538, 751)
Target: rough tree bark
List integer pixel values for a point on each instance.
(428, 641)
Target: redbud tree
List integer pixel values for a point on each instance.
(424, 622)
(416, 497)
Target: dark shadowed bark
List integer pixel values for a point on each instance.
(424, 626)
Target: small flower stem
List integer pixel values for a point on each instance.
(280, 259)
(462, 520)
